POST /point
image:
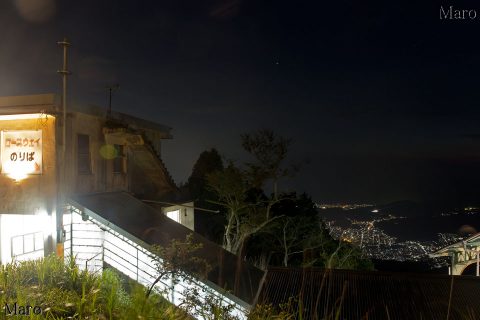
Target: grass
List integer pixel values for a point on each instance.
(62, 291)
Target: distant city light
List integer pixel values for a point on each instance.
(344, 206)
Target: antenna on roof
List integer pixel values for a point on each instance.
(110, 90)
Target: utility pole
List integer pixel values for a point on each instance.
(64, 72)
(63, 180)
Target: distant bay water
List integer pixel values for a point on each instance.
(413, 221)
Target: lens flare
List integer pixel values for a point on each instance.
(36, 11)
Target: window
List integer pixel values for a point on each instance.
(174, 215)
(83, 154)
(17, 246)
(27, 243)
(119, 162)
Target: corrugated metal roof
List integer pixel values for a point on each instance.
(152, 227)
(373, 295)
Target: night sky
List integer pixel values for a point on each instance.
(380, 99)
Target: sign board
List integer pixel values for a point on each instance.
(21, 152)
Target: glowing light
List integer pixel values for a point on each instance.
(108, 151)
(21, 153)
(45, 222)
(174, 215)
(36, 11)
(18, 174)
(26, 116)
(22, 236)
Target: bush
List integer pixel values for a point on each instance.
(62, 291)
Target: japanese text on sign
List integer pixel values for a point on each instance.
(21, 151)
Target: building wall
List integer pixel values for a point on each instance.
(43, 195)
(101, 178)
(36, 193)
(184, 212)
(28, 206)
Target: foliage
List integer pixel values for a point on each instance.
(269, 152)
(238, 190)
(280, 229)
(298, 231)
(207, 223)
(209, 161)
(178, 259)
(342, 255)
(212, 307)
(299, 238)
(62, 291)
(247, 210)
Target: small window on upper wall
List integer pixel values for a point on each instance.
(174, 215)
(119, 162)
(83, 154)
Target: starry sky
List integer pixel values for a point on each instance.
(379, 98)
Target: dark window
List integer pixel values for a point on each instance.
(83, 154)
(119, 165)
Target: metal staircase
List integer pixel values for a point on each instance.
(96, 242)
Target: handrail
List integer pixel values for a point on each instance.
(117, 249)
(88, 260)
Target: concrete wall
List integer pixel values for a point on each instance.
(35, 195)
(42, 194)
(36, 192)
(101, 178)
